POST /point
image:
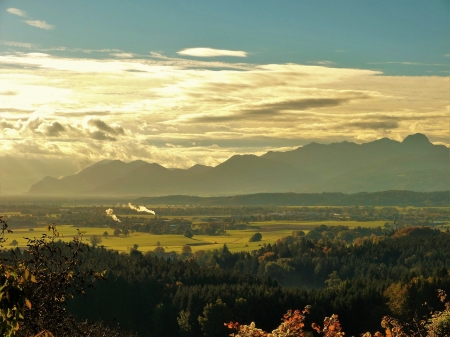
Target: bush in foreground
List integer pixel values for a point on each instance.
(36, 284)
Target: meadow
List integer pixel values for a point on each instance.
(236, 240)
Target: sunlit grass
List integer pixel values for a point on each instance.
(236, 240)
(309, 224)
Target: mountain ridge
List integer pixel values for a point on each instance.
(415, 164)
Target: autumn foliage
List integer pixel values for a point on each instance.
(293, 323)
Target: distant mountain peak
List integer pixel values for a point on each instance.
(416, 139)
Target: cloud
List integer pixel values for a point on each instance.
(98, 135)
(33, 123)
(5, 125)
(37, 127)
(115, 108)
(268, 111)
(16, 11)
(8, 93)
(102, 126)
(210, 52)
(54, 129)
(17, 44)
(35, 23)
(39, 24)
(86, 65)
(123, 55)
(413, 63)
(324, 63)
(99, 130)
(374, 125)
(301, 104)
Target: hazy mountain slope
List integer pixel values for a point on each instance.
(407, 172)
(18, 174)
(97, 174)
(144, 180)
(248, 174)
(414, 164)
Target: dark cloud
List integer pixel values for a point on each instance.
(102, 126)
(54, 129)
(374, 125)
(279, 110)
(98, 135)
(297, 105)
(6, 125)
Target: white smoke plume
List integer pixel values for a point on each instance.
(110, 213)
(140, 208)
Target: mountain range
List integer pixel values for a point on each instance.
(414, 164)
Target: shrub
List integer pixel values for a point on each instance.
(186, 250)
(159, 250)
(440, 325)
(187, 233)
(95, 240)
(38, 283)
(255, 237)
(297, 234)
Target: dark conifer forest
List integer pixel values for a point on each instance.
(391, 274)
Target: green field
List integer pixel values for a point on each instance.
(236, 240)
(301, 225)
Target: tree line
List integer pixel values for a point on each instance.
(391, 275)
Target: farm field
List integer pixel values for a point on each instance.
(236, 240)
(302, 225)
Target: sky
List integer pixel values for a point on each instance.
(195, 82)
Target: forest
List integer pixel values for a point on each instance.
(384, 198)
(387, 273)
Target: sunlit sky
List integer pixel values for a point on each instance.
(186, 82)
